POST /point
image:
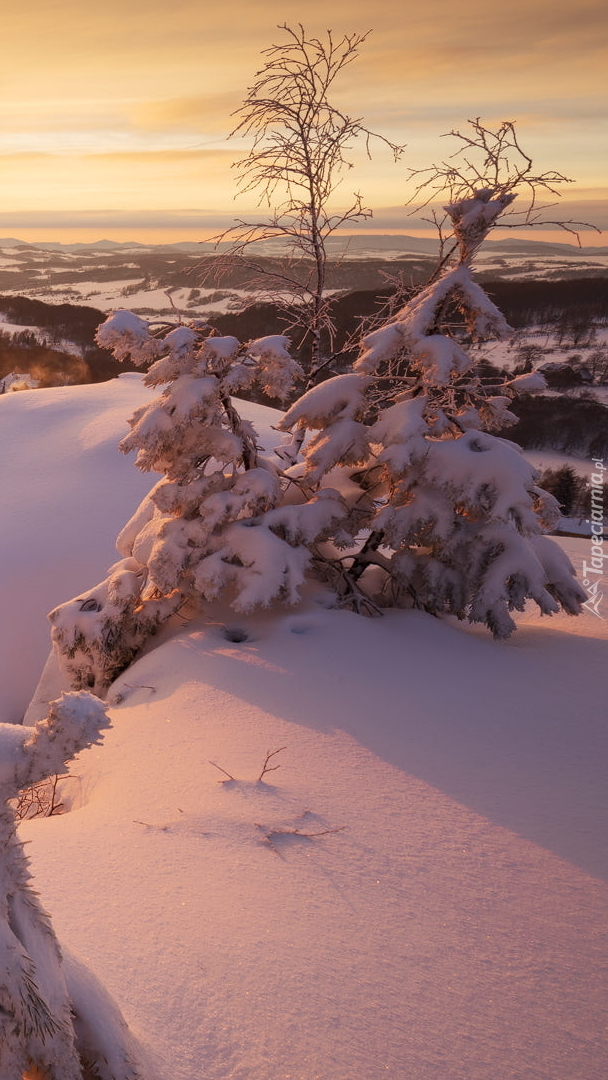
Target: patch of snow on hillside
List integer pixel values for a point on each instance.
(41, 335)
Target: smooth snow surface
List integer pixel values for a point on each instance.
(66, 491)
(417, 892)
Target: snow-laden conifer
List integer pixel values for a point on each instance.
(201, 531)
(450, 516)
(47, 1028)
(98, 634)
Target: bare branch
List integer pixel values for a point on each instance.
(216, 766)
(266, 768)
(270, 834)
(491, 163)
(41, 799)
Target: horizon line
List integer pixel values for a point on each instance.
(163, 235)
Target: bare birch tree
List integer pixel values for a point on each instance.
(300, 144)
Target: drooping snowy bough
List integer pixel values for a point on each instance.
(404, 495)
(56, 1022)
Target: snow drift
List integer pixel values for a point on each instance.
(418, 890)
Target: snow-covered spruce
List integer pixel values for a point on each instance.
(45, 1026)
(450, 516)
(202, 528)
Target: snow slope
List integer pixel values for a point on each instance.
(417, 892)
(66, 491)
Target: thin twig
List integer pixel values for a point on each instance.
(216, 766)
(266, 768)
(298, 832)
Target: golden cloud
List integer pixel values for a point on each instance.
(146, 85)
(209, 113)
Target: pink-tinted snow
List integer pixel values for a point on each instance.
(418, 891)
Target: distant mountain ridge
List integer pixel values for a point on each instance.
(351, 244)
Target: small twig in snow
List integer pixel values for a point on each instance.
(266, 768)
(269, 835)
(216, 766)
(298, 832)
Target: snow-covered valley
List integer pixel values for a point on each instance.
(158, 279)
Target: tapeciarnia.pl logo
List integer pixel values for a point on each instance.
(594, 569)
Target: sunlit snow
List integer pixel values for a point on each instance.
(416, 891)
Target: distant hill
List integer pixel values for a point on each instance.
(353, 245)
(162, 278)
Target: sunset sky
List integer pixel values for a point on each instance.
(113, 119)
